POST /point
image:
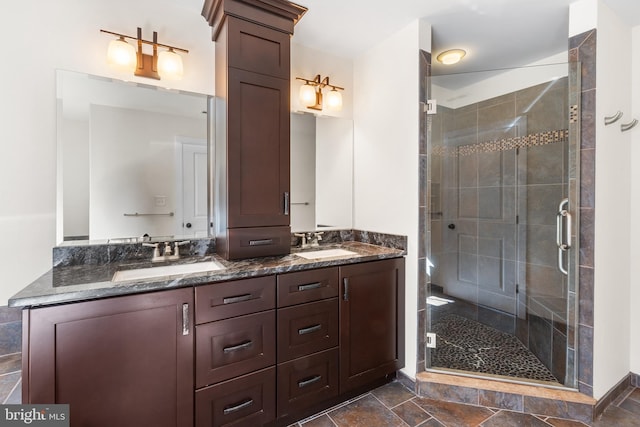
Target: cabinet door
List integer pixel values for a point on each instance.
(258, 150)
(122, 361)
(371, 321)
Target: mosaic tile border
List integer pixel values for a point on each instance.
(505, 144)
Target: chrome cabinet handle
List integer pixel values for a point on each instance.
(304, 383)
(309, 330)
(185, 319)
(345, 295)
(286, 203)
(231, 409)
(310, 286)
(235, 299)
(262, 242)
(563, 233)
(241, 346)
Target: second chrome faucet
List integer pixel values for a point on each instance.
(168, 254)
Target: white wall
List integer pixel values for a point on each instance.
(612, 311)
(635, 205)
(75, 174)
(45, 36)
(386, 151)
(303, 172)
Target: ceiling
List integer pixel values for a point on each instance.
(496, 33)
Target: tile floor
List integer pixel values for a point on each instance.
(10, 378)
(393, 405)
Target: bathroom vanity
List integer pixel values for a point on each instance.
(263, 341)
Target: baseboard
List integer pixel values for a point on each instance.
(614, 393)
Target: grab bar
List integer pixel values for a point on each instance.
(149, 214)
(563, 233)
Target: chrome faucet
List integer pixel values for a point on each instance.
(310, 239)
(168, 254)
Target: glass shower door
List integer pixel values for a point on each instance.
(499, 167)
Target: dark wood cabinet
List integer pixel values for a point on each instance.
(246, 401)
(122, 361)
(371, 321)
(252, 124)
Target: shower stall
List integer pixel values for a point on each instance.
(501, 177)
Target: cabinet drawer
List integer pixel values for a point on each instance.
(307, 286)
(257, 48)
(245, 401)
(306, 381)
(232, 347)
(307, 328)
(229, 299)
(259, 241)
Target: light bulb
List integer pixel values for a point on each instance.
(450, 57)
(307, 94)
(334, 100)
(170, 65)
(121, 56)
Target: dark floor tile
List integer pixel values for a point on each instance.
(558, 408)
(450, 393)
(323, 421)
(618, 417)
(454, 414)
(432, 422)
(631, 406)
(559, 422)
(7, 384)
(365, 412)
(635, 395)
(411, 413)
(10, 363)
(392, 394)
(510, 419)
(10, 338)
(15, 398)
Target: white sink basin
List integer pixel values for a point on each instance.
(325, 253)
(165, 270)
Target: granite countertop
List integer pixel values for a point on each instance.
(65, 284)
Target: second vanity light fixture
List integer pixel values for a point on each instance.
(311, 94)
(166, 64)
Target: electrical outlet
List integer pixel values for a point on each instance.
(431, 340)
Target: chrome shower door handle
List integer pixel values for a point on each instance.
(563, 233)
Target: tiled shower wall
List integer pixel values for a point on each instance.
(582, 49)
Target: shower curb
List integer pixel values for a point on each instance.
(538, 399)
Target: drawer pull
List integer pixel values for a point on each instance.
(310, 286)
(307, 382)
(262, 242)
(309, 330)
(242, 346)
(231, 409)
(238, 298)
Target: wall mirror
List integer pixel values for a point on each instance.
(132, 160)
(321, 172)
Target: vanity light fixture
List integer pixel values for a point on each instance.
(311, 93)
(451, 56)
(166, 64)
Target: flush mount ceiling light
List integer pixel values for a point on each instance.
(311, 94)
(451, 56)
(123, 57)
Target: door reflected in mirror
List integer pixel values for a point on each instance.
(321, 172)
(132, 160)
